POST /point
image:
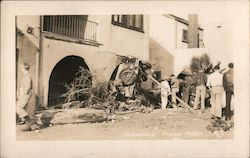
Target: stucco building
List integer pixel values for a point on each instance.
(170, 42)
(55, 46)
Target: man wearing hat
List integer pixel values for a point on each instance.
(228, 84)
(215, 85)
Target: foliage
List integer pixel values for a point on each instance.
(202, 62)
(81, 89)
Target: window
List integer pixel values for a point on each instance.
(185, 36)
(134, 22)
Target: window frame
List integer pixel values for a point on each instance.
(183, 37)
(127, 22)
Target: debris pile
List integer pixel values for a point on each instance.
(219, 125)
(121, 94)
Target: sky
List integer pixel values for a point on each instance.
(218, 31)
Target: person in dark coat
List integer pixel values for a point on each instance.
(200, 81)
(228, 84)
(187, 87)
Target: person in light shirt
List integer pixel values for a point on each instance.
(216, 87)
(25, 94)
(165, 91)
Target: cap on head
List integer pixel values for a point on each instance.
(217, 67)
(231, 65)
(26, 66)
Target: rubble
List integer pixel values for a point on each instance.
(109, 96)
(219, 125)
(105, 100)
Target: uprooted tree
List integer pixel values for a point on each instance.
(111, 94)
(201, 62)
(81, 89)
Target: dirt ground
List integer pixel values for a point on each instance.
(159, 124)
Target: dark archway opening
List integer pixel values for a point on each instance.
(63, 73)
(113, 76)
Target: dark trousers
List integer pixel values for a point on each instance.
(228, 104)
(185, 96)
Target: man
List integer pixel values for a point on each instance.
(200, 81)
(175, 85)
(25, 94)
(186, 89)
(215, 85)
(228, 84)
(165, 90)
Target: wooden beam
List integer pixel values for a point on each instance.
(181, 101)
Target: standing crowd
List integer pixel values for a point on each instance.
(215, 86)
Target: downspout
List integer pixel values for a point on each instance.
(174, 60)
(175, 34)
(37, 64)
(40, 86)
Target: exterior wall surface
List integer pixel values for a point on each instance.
(101, 60)
(161, 59)
(124, 41)
(27, 47)
(101, 65)
(180, 44)
(168, 52)
(163, 30)
(26, 53)
(183, 57)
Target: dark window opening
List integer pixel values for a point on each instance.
(134, 22)
(185, 36)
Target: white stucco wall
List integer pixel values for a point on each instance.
(166, 35)
(101, 65)
(100, 60)
(179, 32)
(201, 39)
(124, 41)
(163, 30)
(183, 57)
(28, 46)
(23, 22)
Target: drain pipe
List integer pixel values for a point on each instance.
(39, 59)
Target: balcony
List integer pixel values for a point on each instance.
(74, 28)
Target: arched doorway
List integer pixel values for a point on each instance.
(62, 74)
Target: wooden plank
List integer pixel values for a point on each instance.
(158, 83)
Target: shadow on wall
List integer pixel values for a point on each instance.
(160, 58)
(26, 52)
